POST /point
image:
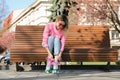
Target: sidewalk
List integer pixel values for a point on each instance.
(9, 73)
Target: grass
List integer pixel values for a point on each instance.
(91, 63)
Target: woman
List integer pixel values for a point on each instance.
(54, 41)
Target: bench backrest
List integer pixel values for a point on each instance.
(88, 37)
(77, 36)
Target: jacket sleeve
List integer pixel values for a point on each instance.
(63, 39)
(45, 35)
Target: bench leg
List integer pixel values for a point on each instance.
(19, 68)
(107, 68)
(17, 64)
(81, 63)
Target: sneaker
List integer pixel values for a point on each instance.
(55, 71)
(48, 71)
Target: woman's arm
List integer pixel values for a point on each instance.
(63, 39)
(62, 46)
(45, 39)
(45, 35)
(49, 53)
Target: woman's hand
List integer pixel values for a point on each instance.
(60, 56)
(50, 55)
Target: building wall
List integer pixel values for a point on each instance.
(37, 16)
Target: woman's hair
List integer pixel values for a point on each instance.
(64, 19)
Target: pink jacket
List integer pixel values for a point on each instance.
(50, 30)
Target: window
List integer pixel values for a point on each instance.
(115, 35)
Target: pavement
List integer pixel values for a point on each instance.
(9, 73)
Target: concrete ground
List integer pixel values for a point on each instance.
(9, 73)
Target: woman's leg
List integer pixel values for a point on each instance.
(50, 46)
(56, 53)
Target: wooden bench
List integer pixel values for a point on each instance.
(83, 44)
